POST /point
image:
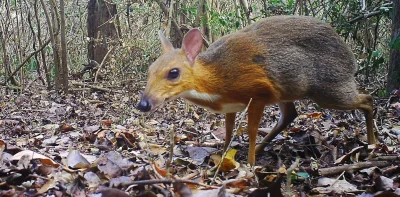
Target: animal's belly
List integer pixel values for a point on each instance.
(232, 107)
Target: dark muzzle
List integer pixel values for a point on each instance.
(144, 105)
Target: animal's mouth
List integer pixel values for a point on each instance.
(158, 105)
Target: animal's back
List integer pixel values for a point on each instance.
(303, 57)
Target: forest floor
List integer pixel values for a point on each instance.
(96, 143)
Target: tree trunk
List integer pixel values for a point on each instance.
(394, 61)
(246, 9)
(43, 53)
(238, 14)
(174, 25)
(54, 30)
(202, 20)
(64, 67)
(102, 29)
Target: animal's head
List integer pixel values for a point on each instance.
(172, 73)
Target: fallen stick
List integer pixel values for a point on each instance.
(170, 181)
(386, 158)
(94, 87)
(339, 169)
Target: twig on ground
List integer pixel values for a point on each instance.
(105, 113)
(289, 176)
(386, 158)
(170, 181)
(79, 89)
(40, 177)
(376, 126)
(337, 179)
(94, 87)
(35, 110)
(339, 169)
(204, 144)
(171, 150)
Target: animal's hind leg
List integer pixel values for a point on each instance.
(288, 114)
(349, 101)
(365, 104)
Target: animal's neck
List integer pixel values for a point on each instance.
(205, 84)
(206, 78)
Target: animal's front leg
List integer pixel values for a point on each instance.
(229, 125)
(255, 112)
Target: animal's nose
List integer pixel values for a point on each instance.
(144, 105)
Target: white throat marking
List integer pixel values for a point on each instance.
(193, 94)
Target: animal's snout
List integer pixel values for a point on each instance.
(144, 105)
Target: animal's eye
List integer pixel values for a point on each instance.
(173, 74)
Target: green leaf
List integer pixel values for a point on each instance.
(237, 24)
(375, 53)
(222, 21)
(291, 3)
(32, 65)
(381, 93)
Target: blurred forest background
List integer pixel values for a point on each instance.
(71, 71)
(63, 45)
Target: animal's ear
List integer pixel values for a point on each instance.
(192, 44)
(165, 43)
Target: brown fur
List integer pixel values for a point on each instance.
(301, 57)
(276, 60)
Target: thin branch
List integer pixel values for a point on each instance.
(173, 21)
(30, 55)
(26, 60)
(43, 55)
(245, 6)
(289, 176)
(365, 16)
(170, 17)
(102, 63)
